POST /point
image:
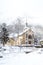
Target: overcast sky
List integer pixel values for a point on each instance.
(10, 9)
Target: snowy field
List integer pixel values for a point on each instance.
(18, 56)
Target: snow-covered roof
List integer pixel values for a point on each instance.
(41, 40)
(11, 35)
(15, 35)
(23, 31)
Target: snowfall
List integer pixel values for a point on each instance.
(19, 56)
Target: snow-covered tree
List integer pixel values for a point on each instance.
(4, 36)
(19, 26)
(10, 29)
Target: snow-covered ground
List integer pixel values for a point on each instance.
(17, 56)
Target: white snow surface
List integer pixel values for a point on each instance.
(21, 58)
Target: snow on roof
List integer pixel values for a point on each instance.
(11, 35)
(41, 40)
(15, 35)
(26, 29)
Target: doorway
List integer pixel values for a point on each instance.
(29, 42)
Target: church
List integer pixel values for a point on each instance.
(26, 37)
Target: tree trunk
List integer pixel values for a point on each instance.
(3, 43)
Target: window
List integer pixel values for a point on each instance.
(29, 37)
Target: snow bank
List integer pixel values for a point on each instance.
(34, 58)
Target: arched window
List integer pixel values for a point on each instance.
(29, 37)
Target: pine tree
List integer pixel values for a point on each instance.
(5, 34)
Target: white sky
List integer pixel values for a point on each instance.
(10, 9)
